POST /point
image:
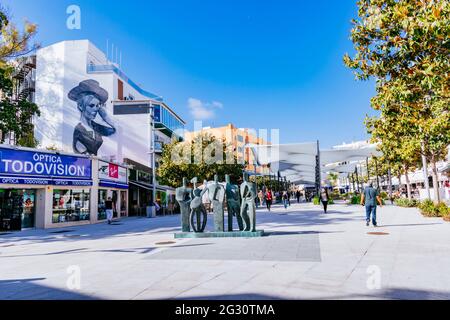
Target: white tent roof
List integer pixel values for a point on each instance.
(297, 162)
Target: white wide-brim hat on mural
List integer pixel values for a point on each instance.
(88, 87)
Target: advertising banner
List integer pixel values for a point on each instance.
(21, 163)
(112, 172)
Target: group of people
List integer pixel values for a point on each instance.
(265, 197)
(268, 197)
(370, 199)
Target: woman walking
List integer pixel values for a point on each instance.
(324, 198)
(285, 199)
(261, 197)
(269, 198)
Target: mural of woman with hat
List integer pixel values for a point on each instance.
(90, 99)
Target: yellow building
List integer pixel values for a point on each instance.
(237, 138)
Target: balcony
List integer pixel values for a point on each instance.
(25, 89)
(24, 66)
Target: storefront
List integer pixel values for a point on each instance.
(113, 184)
(43, 189)
(17, 209)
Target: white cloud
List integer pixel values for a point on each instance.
(203, 110)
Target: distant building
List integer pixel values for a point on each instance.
(238, 139)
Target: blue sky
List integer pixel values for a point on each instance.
(259, 64)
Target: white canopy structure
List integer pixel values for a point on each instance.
(302, 163)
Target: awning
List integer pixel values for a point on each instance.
(146, 186)
(298, 162)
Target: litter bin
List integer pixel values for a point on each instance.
(151, 212)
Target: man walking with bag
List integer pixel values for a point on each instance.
(369, 199)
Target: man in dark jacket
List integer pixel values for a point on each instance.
(369, 199)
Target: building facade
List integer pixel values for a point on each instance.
(78, 91)
(47, 189)
(238, 139)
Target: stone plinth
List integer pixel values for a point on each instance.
(233, 234)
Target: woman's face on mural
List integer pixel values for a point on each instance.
(91, 107)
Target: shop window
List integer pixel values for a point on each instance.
(123, 203)
(71, 205)
(17, 209)
(103, 195)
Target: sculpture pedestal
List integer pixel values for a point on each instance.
(233, 234)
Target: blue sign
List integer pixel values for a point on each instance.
(113, 185)
(23, 180)
(43, 165)
(44, 182)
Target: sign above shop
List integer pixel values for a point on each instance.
(38, 164)
(112, 172)
(44, 182)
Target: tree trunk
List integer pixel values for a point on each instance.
(408, 183)
(437, 196)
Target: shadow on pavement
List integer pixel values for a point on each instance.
(286, 233)
(389, 294)
(29, 289)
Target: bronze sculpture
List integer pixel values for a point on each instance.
(184, 197)
(233, 204)
(248, 207)
(199, 216)
(216, 194)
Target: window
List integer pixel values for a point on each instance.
(71, 205)
(120, 89)
(103, 195)
(240, 138)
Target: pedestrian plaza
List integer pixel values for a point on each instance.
(305, 255)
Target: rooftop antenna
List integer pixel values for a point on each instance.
(107, 50)
(112, 52)
(120, 61)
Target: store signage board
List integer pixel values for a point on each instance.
(106, 184)
(112, 172)
(37, 164)
(43, 182)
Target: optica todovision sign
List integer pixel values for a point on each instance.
(29, 167)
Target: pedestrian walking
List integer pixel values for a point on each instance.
(109, 209)
(261, 197)
(269, 199)
(369, 198)
(285, 199)
(325, 199)
(298, 195)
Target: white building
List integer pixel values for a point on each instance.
(78, 91)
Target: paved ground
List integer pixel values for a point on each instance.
(307, 255)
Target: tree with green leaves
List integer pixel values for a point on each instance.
(204, 157)
(404, 45)
(13, 42)
(16, 113)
